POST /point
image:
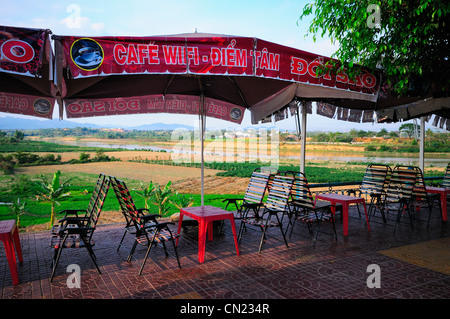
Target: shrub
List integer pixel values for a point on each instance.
(7, 164)
(385, 148)
(370, 148)
(84, 157)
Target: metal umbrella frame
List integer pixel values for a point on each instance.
(212, 75)
(26, 71)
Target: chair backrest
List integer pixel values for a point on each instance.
(446, 181)
(95, 193)
(301, 193)
(277, 199)
(127, 206)
(401, 183)
(272, 171)
(375, 180)
(257, 187)
(419, 191)
(95, 209)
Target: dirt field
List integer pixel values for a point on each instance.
(123, 155)
(184, 179)
(137, 171)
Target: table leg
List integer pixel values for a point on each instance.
(210, 231)
(17, 244)
(202, 227)
(345, 218)
(11, 257)
(233, 228)
(333, 208)
(367, 217)
(444, 207)
(180, 220)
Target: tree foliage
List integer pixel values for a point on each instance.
(407, 128)
(410, 44)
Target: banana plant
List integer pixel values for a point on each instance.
(18, 209)
(161, 197)
(145, 192)
(53, 191)
(182, 201)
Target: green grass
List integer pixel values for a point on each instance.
(39, 212)
(315, 174)
(39, 146)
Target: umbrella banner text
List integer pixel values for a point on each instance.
(26, 104)
(182, 104)
(234, 56)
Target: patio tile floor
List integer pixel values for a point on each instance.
(332, 269)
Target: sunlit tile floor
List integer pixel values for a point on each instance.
(331, 269)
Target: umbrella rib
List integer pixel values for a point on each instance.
(239, 90)
(168, 84)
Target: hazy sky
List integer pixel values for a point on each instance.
(275, 21)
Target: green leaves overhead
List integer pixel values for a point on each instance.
(410, 42)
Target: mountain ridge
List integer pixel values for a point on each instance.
(14, 123)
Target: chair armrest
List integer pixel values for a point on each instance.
(150, 217)
(434, 195)
(162, 225)
(231, 200)
(376, 194)
(71, 212)
(75, 230)
(158, 225)
(73, 220)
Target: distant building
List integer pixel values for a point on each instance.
(113, 129)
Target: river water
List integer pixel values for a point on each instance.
(386, 158)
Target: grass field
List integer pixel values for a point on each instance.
(160, 174)
(133, 168)
(185, 180)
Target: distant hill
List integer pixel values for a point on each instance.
(160, 126)
(15, 123)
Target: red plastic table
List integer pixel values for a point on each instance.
(205, 215)
(9, 235)
(345, 200)
(443, 192)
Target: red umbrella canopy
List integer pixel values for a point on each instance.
(130, 75)
(25, 86)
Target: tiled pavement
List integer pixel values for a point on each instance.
(332, 269)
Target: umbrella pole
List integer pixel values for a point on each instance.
(202, 140)
(303, 140)
(422, 143)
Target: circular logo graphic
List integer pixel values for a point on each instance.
(236, 114)
(87, 54)
(42, 106)
(17, 51)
